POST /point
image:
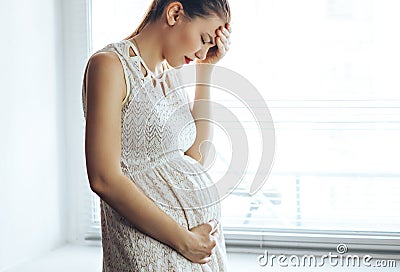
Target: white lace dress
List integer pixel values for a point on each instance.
(157, 127)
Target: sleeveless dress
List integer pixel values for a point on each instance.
(157, 128)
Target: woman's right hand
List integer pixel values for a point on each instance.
(201, 242)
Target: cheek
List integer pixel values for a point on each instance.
(179, 43)
(186, 42)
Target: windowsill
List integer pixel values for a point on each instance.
(67, 258)
(79, 258)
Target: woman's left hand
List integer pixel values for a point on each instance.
(223, 42)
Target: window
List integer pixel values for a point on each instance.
(328, 71)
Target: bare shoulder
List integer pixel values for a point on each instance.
(104, 59)
(105, 73)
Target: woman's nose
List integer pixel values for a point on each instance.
(202, 54)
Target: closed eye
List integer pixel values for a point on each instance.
(204, 42)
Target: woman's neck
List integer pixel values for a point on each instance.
(150, 47)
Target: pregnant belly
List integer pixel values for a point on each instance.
(182, 189)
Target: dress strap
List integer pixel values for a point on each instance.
(136, 50)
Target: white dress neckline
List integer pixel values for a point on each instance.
(149, 72)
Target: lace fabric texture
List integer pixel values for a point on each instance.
(157, 128)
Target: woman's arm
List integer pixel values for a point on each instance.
(202, 107)
(105, 88)
(202, 112)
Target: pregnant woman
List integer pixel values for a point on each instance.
(142, 140)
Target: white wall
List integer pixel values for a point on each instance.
(40, 121)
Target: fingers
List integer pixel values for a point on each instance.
(210, 250)
(214, 225)
(223, 38)
(224, 34)
(208, 233)
(204, 240)
(215, 234)
(228, 27)
(205, 260)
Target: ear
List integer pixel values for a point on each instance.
(174, 13)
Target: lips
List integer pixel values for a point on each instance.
(187, 60)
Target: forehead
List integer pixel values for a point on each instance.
(208, 25)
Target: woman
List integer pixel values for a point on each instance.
(142, 146)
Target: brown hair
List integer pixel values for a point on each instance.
(193, 9)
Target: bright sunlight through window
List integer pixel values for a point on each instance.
(329, 73)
